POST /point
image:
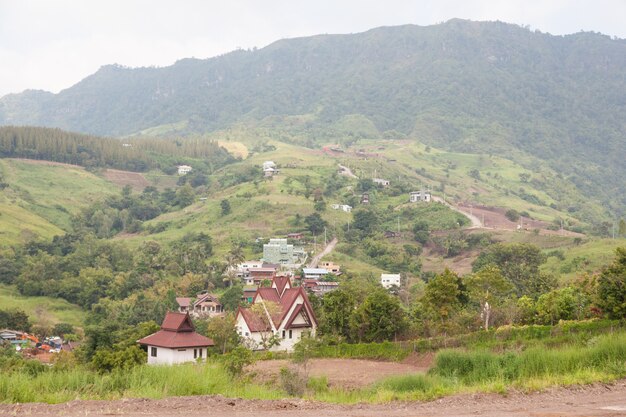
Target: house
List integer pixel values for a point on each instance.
(380, 181)
(204, 305)
(184, 169)
(314, 273)
(365, 198)
(296, 236)
(390, 234)
(257, 275)
(248, 294)
(269, 168)
(389, 280)
(278, 251)
(286, 315)
(331, 267)
(417, 196)
(342, 207)
(268, 165)
(319, 288)
(243, 269)
(176, 342)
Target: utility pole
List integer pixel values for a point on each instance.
(399, 225)
(325, 236)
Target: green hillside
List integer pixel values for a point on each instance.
(41, 197)
(474, 87)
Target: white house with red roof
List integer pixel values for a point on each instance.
(287, 314)
(204, 305)
(176, 342)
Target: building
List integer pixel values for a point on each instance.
(268, 164)
(314, 273)
(365, 198)
(184, 169)
(389, 280)
(204, 305)
(331, 267)
(295, 236)
(417, 196)
(243, 269)
(286, 315)
(342, 207)
(278, 251)
(380, 181)
(248, 294)
(257, 275)
(176, 342)
(391, 234)
(269, 169)
(319, 288)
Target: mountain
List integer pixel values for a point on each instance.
(477, 87)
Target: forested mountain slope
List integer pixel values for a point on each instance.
(466, 86)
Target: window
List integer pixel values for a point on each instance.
(290, 333)
(283, 334)
(153, 352)
(195, 353)
(200, 353)
(247, 334)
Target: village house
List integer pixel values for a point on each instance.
(257, 275)
(365, 198)
(319, 288)
(243, 269)
(391, 234)
(380, 181)
(342, 207)
(295, 236)
(314, 273)
(417, 196)
(269, 168)
(390, 280)
(248, 294)
(204, 305)
(176, 342)
(184, 169)
(286, 315)
(331, 267)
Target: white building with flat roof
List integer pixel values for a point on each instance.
(389, 280)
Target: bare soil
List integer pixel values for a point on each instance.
(136, 180)
(347, 373)
(598, 400)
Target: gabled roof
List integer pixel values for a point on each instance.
(280, 283)
(255, 324)
(176, 332)
(177, 322)
(183, 301)
(268, 294)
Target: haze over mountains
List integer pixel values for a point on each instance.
(478, 87)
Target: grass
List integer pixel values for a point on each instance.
(41, 309)
(41, 198)
(600, 359)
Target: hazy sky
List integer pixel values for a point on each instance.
(52, 44)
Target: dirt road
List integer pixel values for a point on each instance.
(346, 171)
(598, 400)
(476, 223)
(328, 249)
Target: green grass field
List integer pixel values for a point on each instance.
(42, 197)
(41, 310)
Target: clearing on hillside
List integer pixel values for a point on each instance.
(123, 178)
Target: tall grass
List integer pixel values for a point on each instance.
(142, 381)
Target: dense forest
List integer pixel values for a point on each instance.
(480, 87)
(136, 154)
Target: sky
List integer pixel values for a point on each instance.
(51, 45)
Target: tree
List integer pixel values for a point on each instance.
(488, 288)
(315, 223)
(231, 299)
(365, 220)
(421, 231)
(518, 262)
(225, 205)
(14, 319)
(236, 361)
(612, 287)
(222, 331)
(512, 215)
(263, 314)
(234, 257)
(337, 307)
(442, 298)
(380, 317)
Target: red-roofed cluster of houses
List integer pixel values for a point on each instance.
(285, 315)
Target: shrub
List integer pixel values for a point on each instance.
(512, 215)
(293, 381)
(235, 361)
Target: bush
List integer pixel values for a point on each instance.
(293, 381)
(512, 215)
(235, 361)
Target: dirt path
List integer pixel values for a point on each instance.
(476, 223)
(598, 400)
(347, 171)
(347, 373)
(328, 249)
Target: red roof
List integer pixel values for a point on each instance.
(281, 283)
(183, 301)
(176, 332)
(255, 323)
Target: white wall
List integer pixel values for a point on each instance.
(166, 356)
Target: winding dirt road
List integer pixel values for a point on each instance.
(328, 249)
(476, 223)
(598, 400)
